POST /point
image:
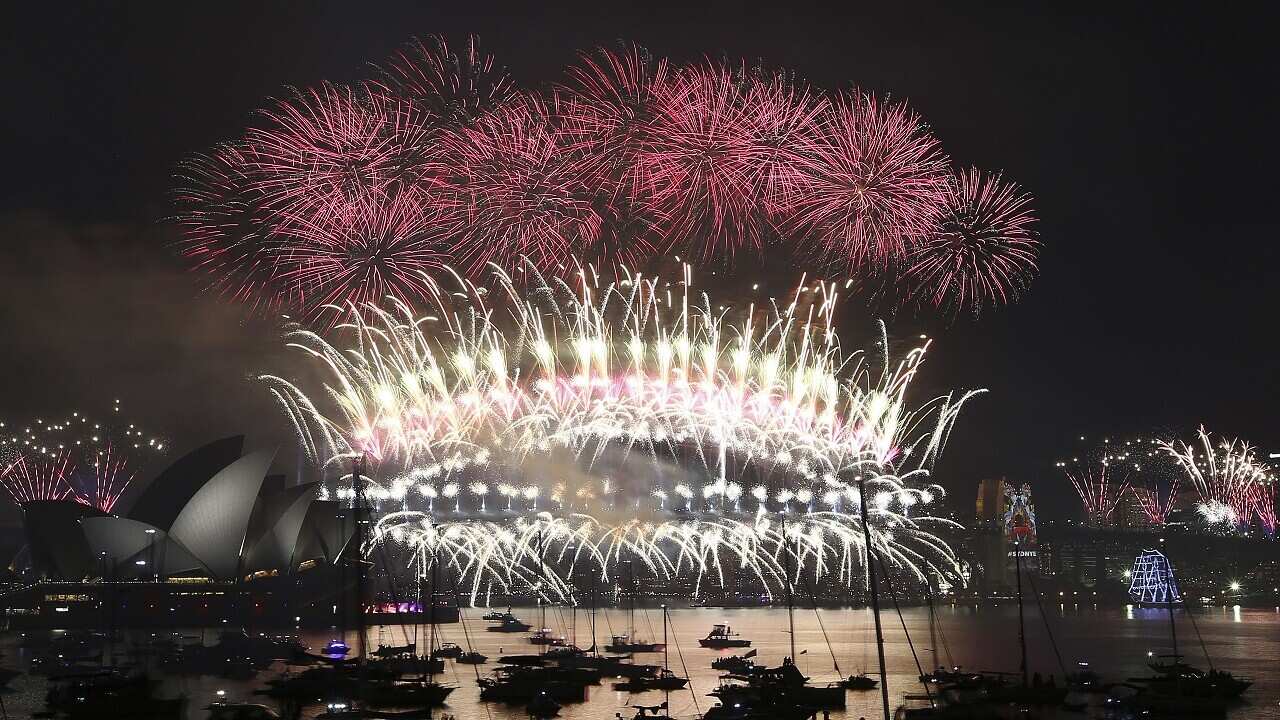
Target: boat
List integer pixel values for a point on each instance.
(497, 615)
(1084, 679)
(543, 706)
(780, 687)
(335, 648)
(518, 684)
(860, 681)
(623, 644)
(510, 624)
(722, 636)
(736, 664)
(472, 658)
(650, 712)
(627, 643)
(240, 711)
(389, 651)
(546, 636)
(448, 650)
(405, 693)
(664, 680)
(110, 693)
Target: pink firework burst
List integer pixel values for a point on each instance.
(604, 116)
(334, 146)
(869, 184)
(699, 167)
(226, 228)
(984, 251)
(1156, 504)
(104, 481)
(361, 252)
(38, 475)
(517, 195)
(455, 87)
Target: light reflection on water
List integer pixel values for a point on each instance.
(1114, 640)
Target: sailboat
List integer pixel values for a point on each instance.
(626, 642)
(665, 679)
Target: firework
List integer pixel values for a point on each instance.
(637, 417)
(720, 141)
(91, 461)
(1102, 477)
(38, 476)
(628, 159)
(1235, 487)
(227, 227)
(362, 252)
(985, 251)
(869, 183)
(1156, 504)
(333, 146)
(605, 116)
(453, 88)
(518, 197)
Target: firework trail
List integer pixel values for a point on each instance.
(107, 477)
(39, 476)
(645, 424)
(1102, 478)
(1156, 504)
(629, 159)
(76, 458)
(1233, 484)
(984, 252)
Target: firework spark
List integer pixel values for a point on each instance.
(333, 146)
(1102, 478)
(869, 183)
(627, 160)
(362, 252)
(610, 400)
(453, 88)
(1235, 487)
(985, 251)
(518, 197)
(75, 458)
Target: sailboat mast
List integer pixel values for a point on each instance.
(431, 615)
(357, 503)
(791, 615)
(875, 595)
(665, 659)
(1022, 629)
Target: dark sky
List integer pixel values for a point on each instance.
(1147, 138)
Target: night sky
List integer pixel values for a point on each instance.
(1147, 139)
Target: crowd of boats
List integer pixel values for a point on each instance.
(395, 682)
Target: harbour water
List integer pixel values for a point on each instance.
(1115, 641)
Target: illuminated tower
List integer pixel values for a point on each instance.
(1152, 579)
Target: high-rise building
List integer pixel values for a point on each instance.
(990, 504)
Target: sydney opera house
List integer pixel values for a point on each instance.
(214, 538)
